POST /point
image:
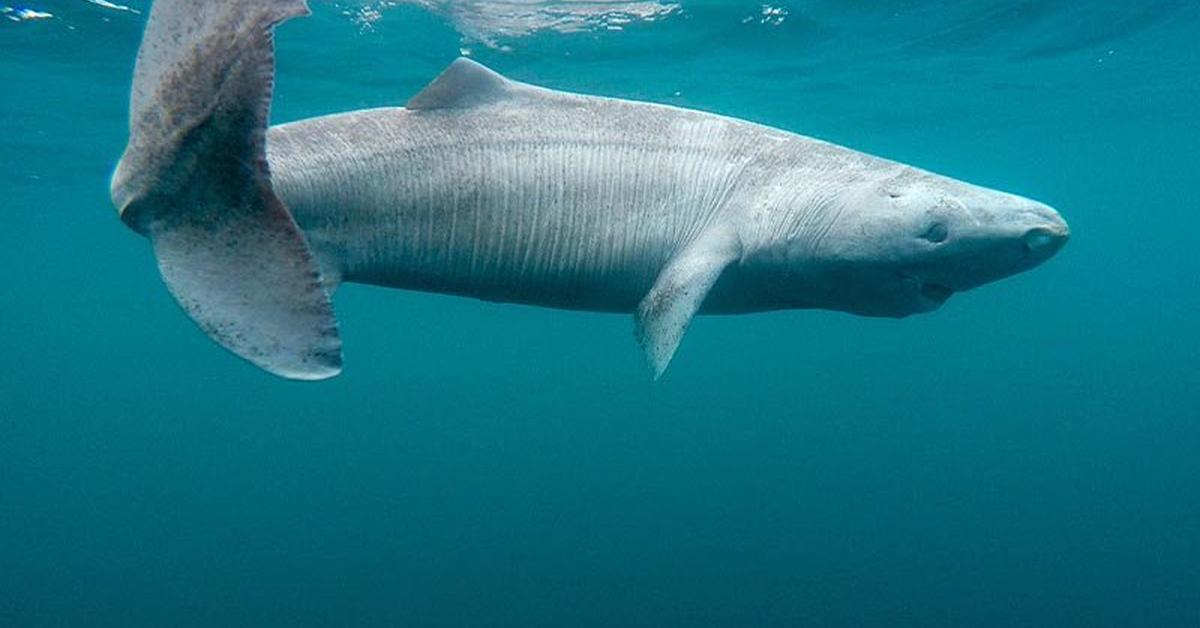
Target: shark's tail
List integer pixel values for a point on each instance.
(194, 179)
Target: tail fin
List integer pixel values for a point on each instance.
(194, 179)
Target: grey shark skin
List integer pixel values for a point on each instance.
(489, 188)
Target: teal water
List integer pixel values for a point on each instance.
(1029, 455)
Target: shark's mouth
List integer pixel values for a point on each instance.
(936, 291)
(932, 292)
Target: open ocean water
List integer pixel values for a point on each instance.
(1029, 455)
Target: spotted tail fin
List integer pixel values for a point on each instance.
(194, 179)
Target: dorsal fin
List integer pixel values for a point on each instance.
(464, 83)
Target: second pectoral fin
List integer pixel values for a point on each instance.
(664, 314)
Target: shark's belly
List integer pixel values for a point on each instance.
(580, 219)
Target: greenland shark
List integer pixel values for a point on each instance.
(486, 187)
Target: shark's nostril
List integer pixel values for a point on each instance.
(1043, 241)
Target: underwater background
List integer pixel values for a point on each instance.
(1029, 455)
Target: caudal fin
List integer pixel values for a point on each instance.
(194, 179)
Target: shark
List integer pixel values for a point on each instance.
(490, 188)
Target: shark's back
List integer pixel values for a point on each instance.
(491, 188)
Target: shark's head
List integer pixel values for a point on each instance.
(907, 242)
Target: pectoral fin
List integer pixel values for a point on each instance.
(664, 315)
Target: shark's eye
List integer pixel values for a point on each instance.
(936, 233)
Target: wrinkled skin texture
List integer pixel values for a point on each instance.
(561, 200)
